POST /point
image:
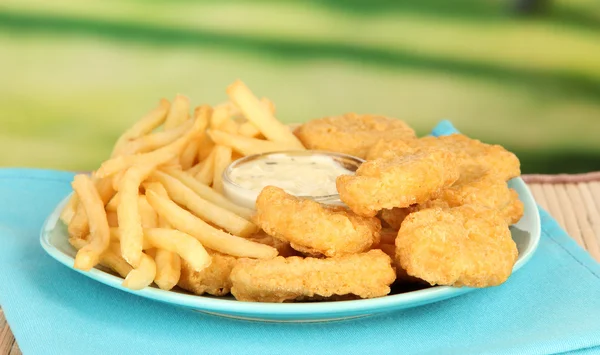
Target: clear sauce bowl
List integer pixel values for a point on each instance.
(247, 197)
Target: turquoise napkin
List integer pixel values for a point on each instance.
(551, 305)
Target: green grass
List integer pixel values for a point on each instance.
(74, 74)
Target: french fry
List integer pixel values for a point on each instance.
(112, 205)
(221, 118)
(156, 140)
(161, 191)
(268, 104)
(246, 145)
(141, 276)
(147, 213)
(179, 112)
(189, 155)
(184, 245)
(114, 165)
(68, 212)
(195, 169)
(260, 116)
(205, 148)
(112, 218)
(222, 160)
(168, 268)
(204, 209)
(144, 126)
(116, 179)
(115, 236)
(79, 226)
(247, 129)
(156, 186)
(207, 193)
(130, 220)
(209, 236)
(206, 173)
(88, 256)
(110, 258)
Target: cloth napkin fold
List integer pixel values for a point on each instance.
(550, 305)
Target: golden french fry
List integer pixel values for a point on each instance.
(205, 148)
(113, 220)
(260, 116)
(110, 258)
(116, 179)
(184, 245)
(88, 256)
(156, 140)
(207, 193)
(156, 186)
(189, 155)
(206, 173)
(195, 169)
(168, 268)
(120, 163)
(270, 105)
(130, 220)
(141, 276)
(221, 118)
(79, 226)
(144, 126)
(115, 236)
(222, 161)
(68, 212)
(179, 112)
(204, 209)
(147, 213)
(247, 129)
(112, 205)
(246, 145)
(161, 191)
(209, 236)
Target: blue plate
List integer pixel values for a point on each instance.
(526, 234)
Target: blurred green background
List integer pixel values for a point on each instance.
(74, 74)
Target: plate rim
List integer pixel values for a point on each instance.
(302, 310)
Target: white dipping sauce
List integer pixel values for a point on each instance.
(312, 175)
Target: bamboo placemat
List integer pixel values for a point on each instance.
(573, 200)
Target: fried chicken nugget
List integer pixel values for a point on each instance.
(398, 182)
(391, 148)
(365, 275)
(488, 191)
(351, 133)
(474, 157)
(463, 246)
(313, 228)
(213, 280)
(284, 248)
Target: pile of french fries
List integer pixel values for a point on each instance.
(158, 199)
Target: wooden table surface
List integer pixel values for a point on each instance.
(573, 200)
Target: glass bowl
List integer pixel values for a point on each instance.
(247, 197)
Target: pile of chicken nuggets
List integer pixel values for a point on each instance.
(428, 210)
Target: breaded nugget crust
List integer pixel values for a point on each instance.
(313, 228)
(351, 133)
(463, 246)
(488, 191)
(282, 246)
(398, 182)
(213, 280)
(391, 148)
(473, 156)
(366, 275)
